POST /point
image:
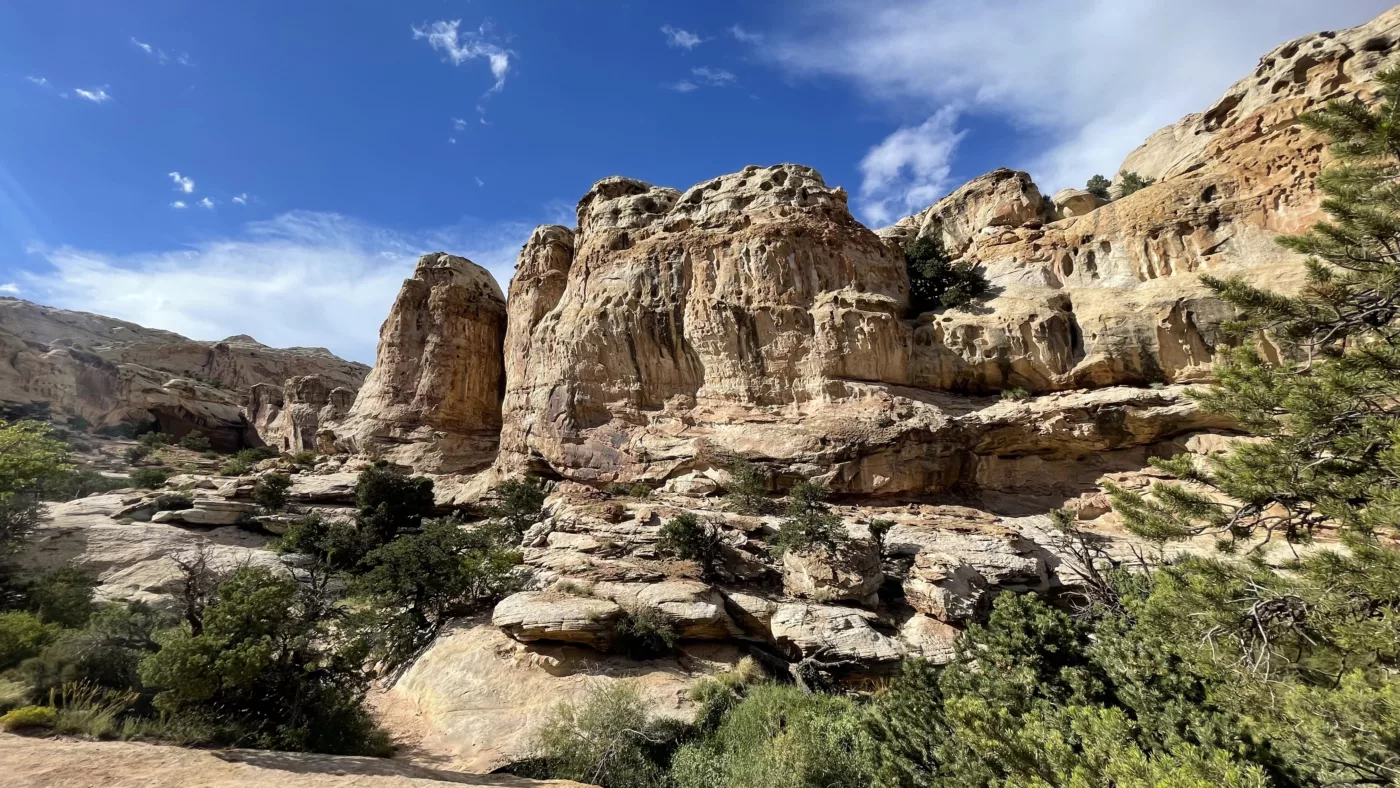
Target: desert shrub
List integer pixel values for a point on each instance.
(1015, 394)
(255, 454)
(30, 461)
(426, 578)
(174, 502)
(23, 635)
(137, 453)
(29, 717)
(156, 440)
(686, 537)
(149, 478)
(79, 483)
(391, 502)
(13, 694)
(637, 490)
(339, 545)
(878, 528)
(209, 455)
(235, 467)
(267, 664)
(518, 505)
(306, 459)
(936, 282)
(63, 597)
(643, 634)
(195, 441)
(609, 739)
(79, 423)
(779, 736)
(1131, 182)
(1098, 186)
(748, 489)
(808, 522)
(88, 710)
(106, 652)
(270, 491)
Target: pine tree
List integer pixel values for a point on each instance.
(1098, 186)
(1330, 413)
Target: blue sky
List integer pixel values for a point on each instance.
(274, 168)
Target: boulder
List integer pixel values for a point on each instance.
(1076, 202)
(833, 633)
(1001, 198)
(849, 574)
(694, 609)
(531, 616)
(929, 638)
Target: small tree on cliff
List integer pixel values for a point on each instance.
(1098, 186)
(936, 282)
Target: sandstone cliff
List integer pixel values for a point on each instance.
(433, 400)
(112, 372)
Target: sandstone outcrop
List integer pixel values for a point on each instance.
(1001, 198)
(289, 418)
(433, 400)
(112, 372)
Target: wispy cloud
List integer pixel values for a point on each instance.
(10, 287)
(182, 58)
(715, 77)
(459, 46)
(909, 169)
(459, 124)
(182, 183)
(683, 39)
(684, 86)
(301, 279)
(179, 205)
(241, 199)
(1076, 82)
(206, 203)
(744, 36)
(42, 82)
(479, 181)
(95, 95)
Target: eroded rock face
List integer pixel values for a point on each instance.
(849, 574)
(1001, 198)
(433, 399)
(112, 372)
(289, 419)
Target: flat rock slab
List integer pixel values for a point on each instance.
(64, 763)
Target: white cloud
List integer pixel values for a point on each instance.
(744, 36)
(479, 181)
(158, 54)
(716, 77)
(146, 47)
(684, 39)
(241, 199)
(178, 205)
(460, 47)
(10, 287)
(1093, 78)
(206, 203)
(451, 140)
(96, 95)
(459, 124)
(909, 169)
(684, 86)
(42, 82)
(301, 279)
(182, 184)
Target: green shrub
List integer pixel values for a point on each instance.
(936, 282)
(174, 502)
(637, 490)
(608, 739)
(79, 423)
(808, 522)
(748, 489)
(74, 484)
(137, 453)
(256, 454)
(156, 440)
(209, 455)
(88, 710)
(777, 736)
(518, 505)
(1098, 186)
(29, 717)
(13, 694)
(270, 491)
(306, 459)
(391, 502)
(643, 634)
(149, 478)
(1016, 394)
(266, 661)
(105, 653)
(878, 528)
(195, 441)
(63, 597)
(1131, 182)
(691, 540)
(23, 635)
(236, 467)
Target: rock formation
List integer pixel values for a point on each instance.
(112, 372)
(433, 400)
